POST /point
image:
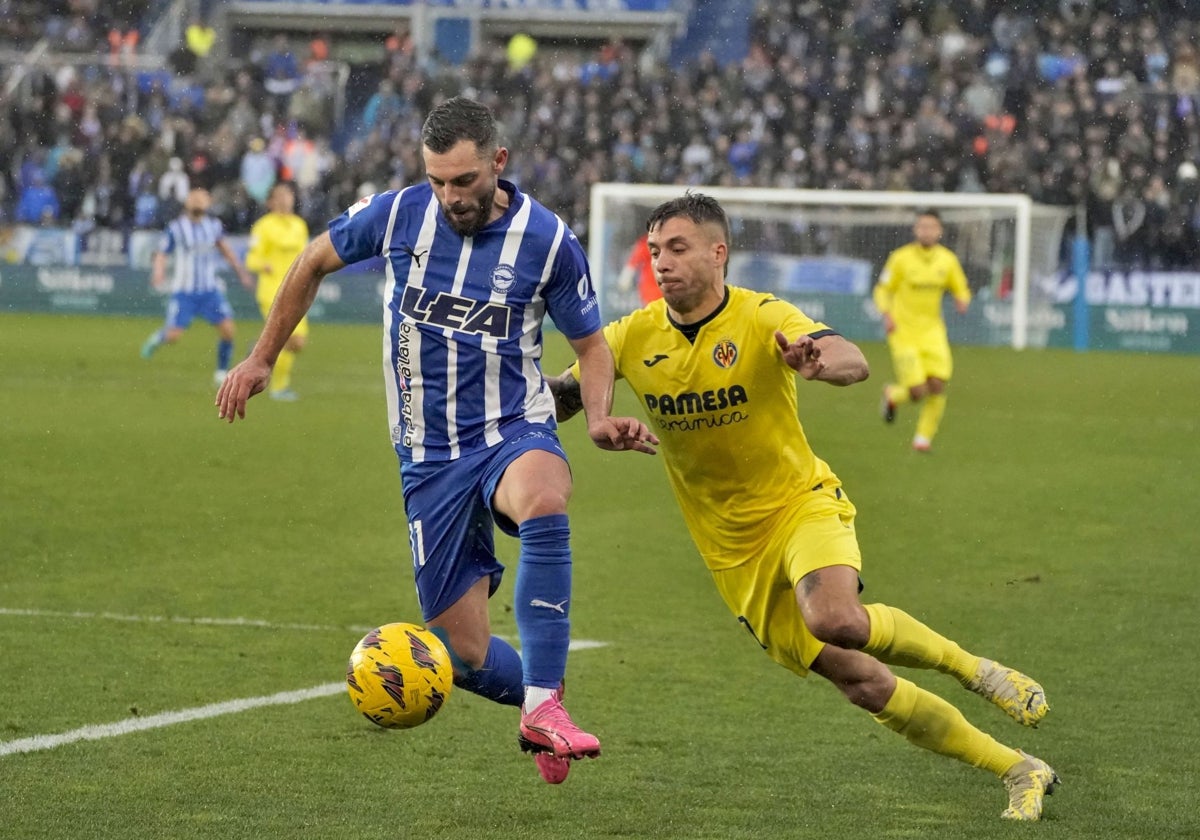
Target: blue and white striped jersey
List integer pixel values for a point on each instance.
(194, 246)
(463, 316)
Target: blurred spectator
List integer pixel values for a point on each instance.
(1129, 228)
(235, 208)
(520, 51)
(1185, 71)
(38, 203)
(308, 105)
(281, 70)
(225, 158)
(318, 48)
(173, 187)
(384, 106)
(122, 19)
(122, 43)
(697, 160)
(242, 118)
(200, 38)
(100, 204)
(75, 35)
(1105, 184)
(258, 171)
(743, 156)
(70, 184)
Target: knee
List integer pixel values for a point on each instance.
(545, 500)
(917, 392)
(870, 691)
(845, 627)
(936, 386)
(537, 484)
(295, 344)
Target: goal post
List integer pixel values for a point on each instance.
(824, 249)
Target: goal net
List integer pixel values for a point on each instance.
(823, 250)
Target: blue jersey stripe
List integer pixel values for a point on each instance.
(193, 248)
(463, 316)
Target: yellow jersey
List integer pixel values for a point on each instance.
(275, 241)
(912, 284)
(724, 407)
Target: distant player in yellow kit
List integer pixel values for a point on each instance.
(275, 241)
(909, 296)
(714, 367)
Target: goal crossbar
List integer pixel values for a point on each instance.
(1020, 206)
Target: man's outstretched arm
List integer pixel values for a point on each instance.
(295, 296)
(830, 358)
(570, 397)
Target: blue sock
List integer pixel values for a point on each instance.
(498, 679)
(224, 354)
(542, 596)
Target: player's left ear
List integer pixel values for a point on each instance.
(499, 161)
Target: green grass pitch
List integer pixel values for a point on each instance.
(1054, 528)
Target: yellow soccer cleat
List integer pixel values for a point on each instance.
(1020, 697)
(1029, 782)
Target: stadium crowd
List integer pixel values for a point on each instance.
(1092, 103)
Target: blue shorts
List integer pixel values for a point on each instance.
(448, 505)
(184, 306)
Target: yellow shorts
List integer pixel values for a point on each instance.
(918, 358)
(264, 306)
(761, 591)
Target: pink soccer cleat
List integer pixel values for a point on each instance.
(554, 770)
(549, 729)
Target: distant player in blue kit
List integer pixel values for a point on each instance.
(473, 265)
(196, 240)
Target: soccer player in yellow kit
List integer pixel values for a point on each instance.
(714, 368)
(909, 296)
(275, 241)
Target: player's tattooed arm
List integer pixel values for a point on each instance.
(568, 398)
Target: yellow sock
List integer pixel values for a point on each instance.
(931, 723)
(898, 395)
(281, 377)
(897, 638)
(930, 417)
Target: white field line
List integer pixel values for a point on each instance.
(37, 743)
(176, 619)
(576, 644)
(139, 724)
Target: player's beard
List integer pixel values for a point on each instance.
(470, 223)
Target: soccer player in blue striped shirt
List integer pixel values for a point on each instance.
(473, 265)
(195, 239)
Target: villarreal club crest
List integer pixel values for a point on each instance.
(399, 675)
(725, 353)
